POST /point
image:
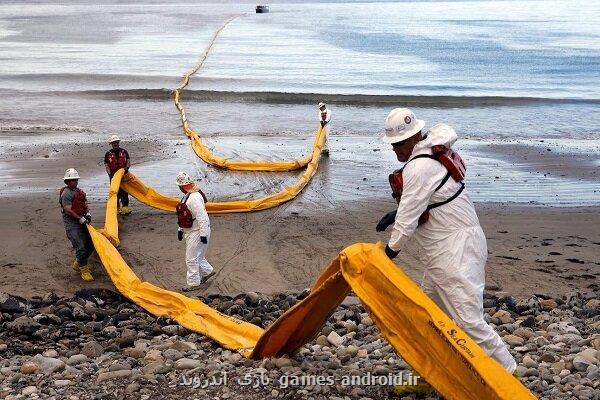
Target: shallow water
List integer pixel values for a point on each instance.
(356, 170)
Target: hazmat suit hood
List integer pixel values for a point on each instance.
(440, 134)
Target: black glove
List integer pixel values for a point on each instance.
(180, 235)
(204, 239)
(391, 253)
(386, 221)
(126, 169)
(88, 217)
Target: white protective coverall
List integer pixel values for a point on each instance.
(327, 116)
(195, 250)
(453, 243)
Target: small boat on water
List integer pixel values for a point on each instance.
(262, 9)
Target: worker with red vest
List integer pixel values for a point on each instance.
(194, 226)
(76, 216)
(435, 210)
(115, 159)
(324, 118)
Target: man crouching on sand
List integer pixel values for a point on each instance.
(435, 209)
(194, 225)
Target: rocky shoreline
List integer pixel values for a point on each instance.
(98, 345)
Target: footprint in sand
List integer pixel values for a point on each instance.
(11, 265)
(510, 258)
(575, 260)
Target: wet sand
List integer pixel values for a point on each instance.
(565, 158)
(532, 249)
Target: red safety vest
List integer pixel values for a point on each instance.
(185, 219)
(116, 161)
(450, 160)
(79, 205)
(184, 215)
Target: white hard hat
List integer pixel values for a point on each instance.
(71, 173)
(321, 104)
(113, 138)
(401, 124)
(183, 178)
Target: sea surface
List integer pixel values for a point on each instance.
(497, 71)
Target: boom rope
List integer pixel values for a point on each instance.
(204, 152)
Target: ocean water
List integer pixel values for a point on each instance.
(495, 70)
(542, 49)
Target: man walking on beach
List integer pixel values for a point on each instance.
(75, 216)
(115, 159)
(324, 117)
(194, 226)
(437, 212)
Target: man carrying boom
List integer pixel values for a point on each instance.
(435, 209)
(115, 159)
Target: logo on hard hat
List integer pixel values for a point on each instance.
(400, 127)
(407, 119)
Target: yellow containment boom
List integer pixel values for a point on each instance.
(204, 152)
(413, 324)
(135, 187)
(111, 225)
(190, 313)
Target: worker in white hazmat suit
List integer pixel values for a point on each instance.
(437, 212)
(324, 118)
(194, 226)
